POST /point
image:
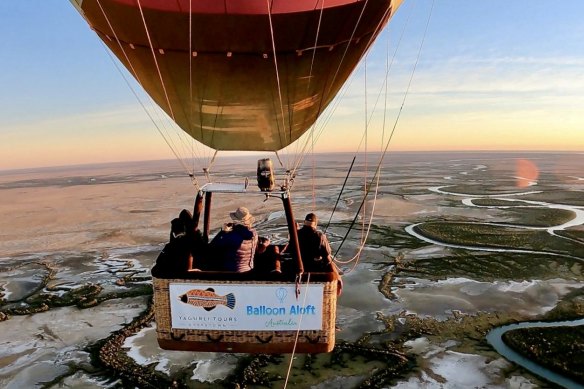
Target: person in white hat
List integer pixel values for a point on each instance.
(234, 246)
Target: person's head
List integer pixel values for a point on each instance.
(186, 218)
(263, 243)
(177, 228)
(242, 216)
(311, 220)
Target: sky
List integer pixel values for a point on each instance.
(491, 75)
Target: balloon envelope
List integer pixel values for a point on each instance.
(210, 64)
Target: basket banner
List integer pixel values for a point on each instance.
(245, 307)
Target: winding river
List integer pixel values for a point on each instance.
(494, 337)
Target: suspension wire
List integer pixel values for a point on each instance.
(166, 138)
(192, 146)
(362, 246)
(313, 172)
(344, 88)
(297, 332)
(300, 158)
(366, 131)
(168, 142)
(155, 60)
(204, 156)
(378, 169)
(207, 169)
(297, 151)
(340, 193)
(297, 144)
(162, 83)
(386, 79)
(279, 159)
(364, 232)
(315, 45)
(191, 73)
(385, 85)
(268, 3)
(345, 52)
(348, 44)
(336, 103)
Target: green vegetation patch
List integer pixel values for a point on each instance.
(577, 235)
(385, 236)
(569, 197)
(497, 203)
(491, 236)
(489, 267)
(503, 187)
(537, 217)
(560, 349)
(541, 217)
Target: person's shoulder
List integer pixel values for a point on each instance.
(244, 230)
(303, 230)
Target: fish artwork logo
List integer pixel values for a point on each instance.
(207, 299)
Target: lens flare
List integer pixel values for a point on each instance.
(526, 173)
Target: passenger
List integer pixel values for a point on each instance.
(186, 219)
(267, 257)
(199, 251)
(233, 248)
(175, 259)
(194, 238)
(316, 250)
(314, 247)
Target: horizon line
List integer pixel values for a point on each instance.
(255, 153)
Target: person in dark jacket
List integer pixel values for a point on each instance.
(316, 250)
(233, 248)
(194, 238)
(175, 259)
(314, 246)
(267, 257)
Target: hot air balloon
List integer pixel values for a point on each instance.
(249, 75)
(240, 74)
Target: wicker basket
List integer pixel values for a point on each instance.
(245, 340)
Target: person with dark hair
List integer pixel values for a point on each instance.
(267, 257)
(314, 246)
(234, 246)
(176, 257)
(194, 238)
(186, 219)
